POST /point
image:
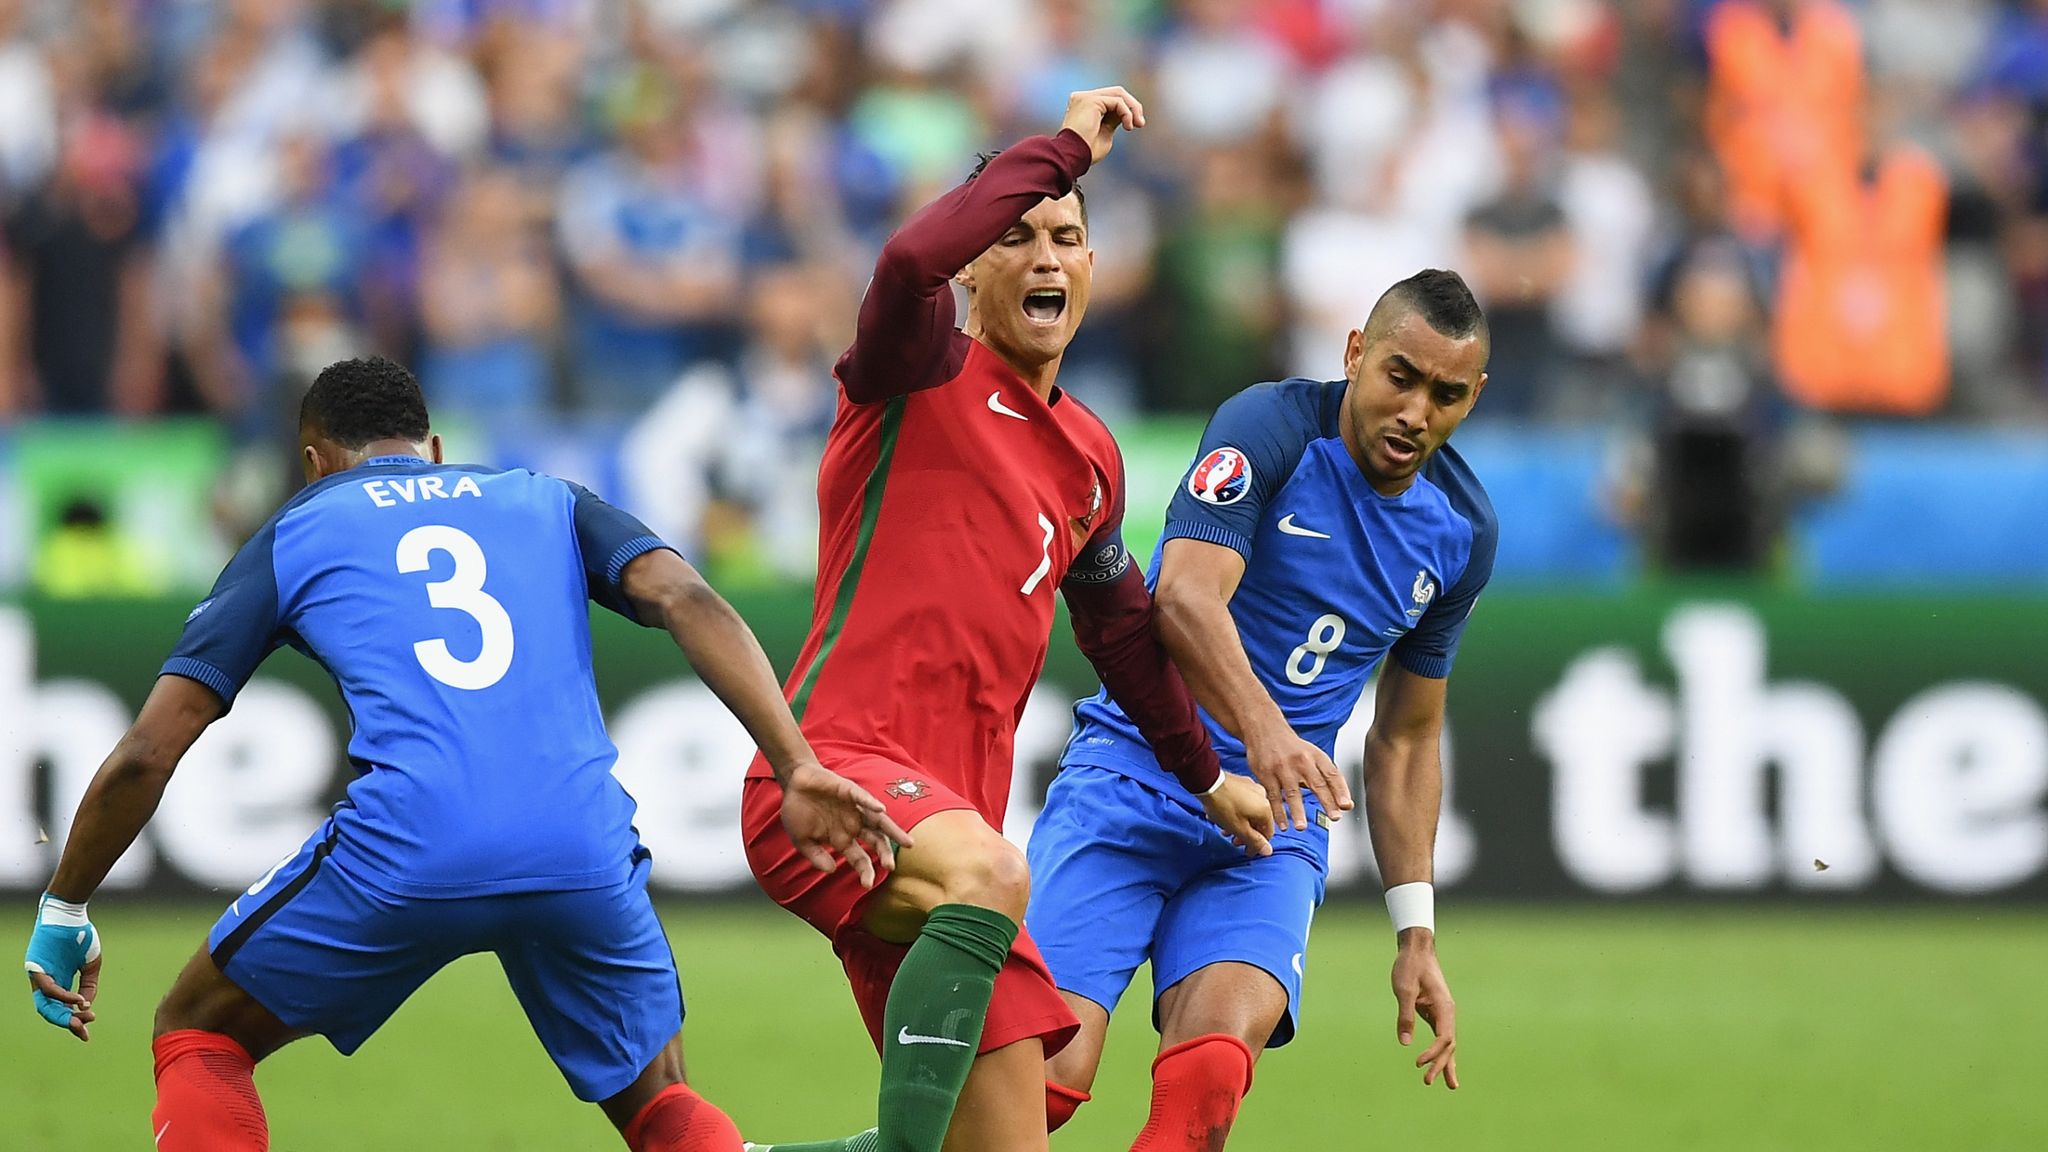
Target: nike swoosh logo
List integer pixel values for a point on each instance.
(906, 1036)
(160, 1133)
(996, 405)
(1297, 963)
(1288, 526)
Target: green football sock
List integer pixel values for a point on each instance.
(931, 1029)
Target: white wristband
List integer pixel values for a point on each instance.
(62, 913)
(1222, 774)
(1412, 906)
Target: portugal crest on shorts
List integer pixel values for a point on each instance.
(1223, 477)
(908, 789)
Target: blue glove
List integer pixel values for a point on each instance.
(63, 943)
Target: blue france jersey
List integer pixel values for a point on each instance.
(448, 604)
(1336, 575)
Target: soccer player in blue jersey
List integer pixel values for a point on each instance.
(1324, 526)
(448, 603)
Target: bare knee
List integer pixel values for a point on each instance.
(664, 1071)
(202, 998)
(1227, 998)
(958, 859)
(198, 999)
(995, 876)
(174, 1013)
(1075, 1066)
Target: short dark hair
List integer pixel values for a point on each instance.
(1442, 299)
(355, 402)
(981, 162)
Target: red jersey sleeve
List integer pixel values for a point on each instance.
(1111, 611)
(903, 341)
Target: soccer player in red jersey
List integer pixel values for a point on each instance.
(959, 488)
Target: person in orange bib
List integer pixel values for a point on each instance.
(1785, 93)
(1861, 322)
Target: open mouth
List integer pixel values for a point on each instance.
(1045, 305)
(1399, 450)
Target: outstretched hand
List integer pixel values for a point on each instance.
(1095, 116)
(829, 817)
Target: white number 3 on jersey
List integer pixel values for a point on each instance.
(464, 592)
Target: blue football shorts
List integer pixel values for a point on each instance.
(333, 956)
(1122, 874)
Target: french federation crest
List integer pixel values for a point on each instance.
(1423, 592)
(1223, 477)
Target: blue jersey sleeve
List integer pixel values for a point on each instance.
(610, 539)
(238, 624)
(1432, 647)
(1248, 453)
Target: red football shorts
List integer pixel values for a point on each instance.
(1026, 1003)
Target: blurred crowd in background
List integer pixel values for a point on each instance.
(1726, 228)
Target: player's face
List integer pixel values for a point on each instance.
(1410, 389)
(1031, 288)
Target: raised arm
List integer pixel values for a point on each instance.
(904, 335)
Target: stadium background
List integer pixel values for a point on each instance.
(1746, 844)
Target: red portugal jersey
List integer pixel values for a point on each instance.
(950, 518)
(954, 503)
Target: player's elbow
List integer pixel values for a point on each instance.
(904, 265)
(139, 762)
(1178, 605)
(897, 263)
(682, 595)
(1400, 758)
(664, 588)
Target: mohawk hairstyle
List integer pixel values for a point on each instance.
(981, 163)
(1443, 301)
(355, 402)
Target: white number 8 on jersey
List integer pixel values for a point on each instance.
(1323, 637)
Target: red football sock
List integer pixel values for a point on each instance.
(679, 1120)
(1196, 1088)
(206, 1095)
(1061, 1102)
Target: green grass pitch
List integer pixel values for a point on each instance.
(1725, 1027)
